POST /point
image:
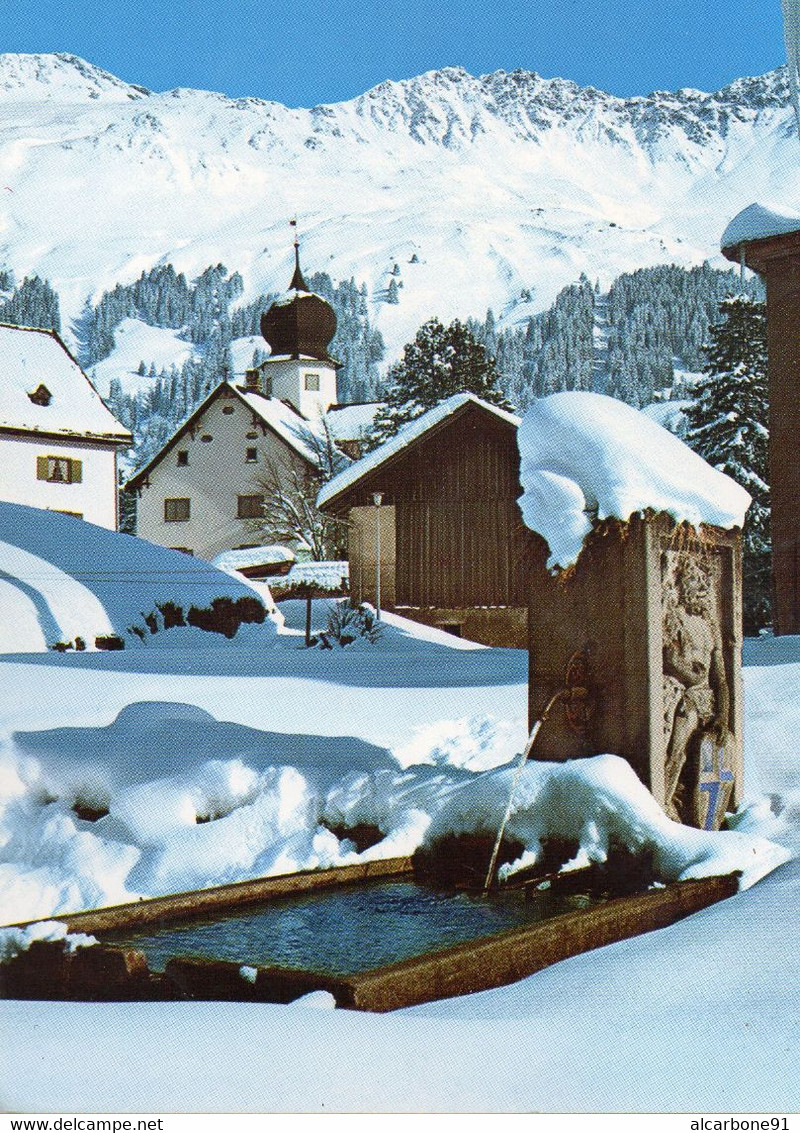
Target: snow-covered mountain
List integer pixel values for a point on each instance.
(479, 189)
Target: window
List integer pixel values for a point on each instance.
(227, 410)
(183, 458)
(41, 395)
(251, 455)
(250, 507)
(59, 469)
(451, 627)
(206, 438)
(176, 510)
(311, 382)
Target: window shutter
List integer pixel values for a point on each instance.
(76, 471)
(41, 467)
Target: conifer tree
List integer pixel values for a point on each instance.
(440, 362)
(728, 426)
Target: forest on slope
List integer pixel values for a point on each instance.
(637, 341)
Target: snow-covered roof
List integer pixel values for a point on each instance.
(245, 557)
(303, 435)
(352, 422)
(585, 455)
(331, 576)
(37, 360)
(759, 222)
(409, 434)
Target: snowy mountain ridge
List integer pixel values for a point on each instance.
(505, 94)
(61, 76)
(482, 191)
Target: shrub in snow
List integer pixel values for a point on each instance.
(348, 623)
(172, 615)
(225, 615)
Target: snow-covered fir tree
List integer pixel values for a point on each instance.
(626, 342)
(440, 362)
(33, 304)
(728, 426)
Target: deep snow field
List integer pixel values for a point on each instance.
(411, 732)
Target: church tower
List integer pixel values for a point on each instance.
(299, 327)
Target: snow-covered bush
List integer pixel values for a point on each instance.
(348, 623)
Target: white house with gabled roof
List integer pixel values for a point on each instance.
(213, 478)
(206, 486)
(58, 440)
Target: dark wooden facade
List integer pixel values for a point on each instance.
(777, 260)
(459, 537)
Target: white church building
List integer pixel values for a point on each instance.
(58, 440)
(203, 490)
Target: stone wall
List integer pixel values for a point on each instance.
(657, 608)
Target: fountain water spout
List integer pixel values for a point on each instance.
(574, 693)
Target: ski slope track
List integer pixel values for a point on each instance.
(476, 187)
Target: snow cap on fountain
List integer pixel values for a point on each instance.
(587, 457)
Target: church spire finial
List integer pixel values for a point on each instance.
(298, 283)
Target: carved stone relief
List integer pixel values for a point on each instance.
(697, 695)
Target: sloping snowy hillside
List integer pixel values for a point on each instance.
(65, 582)
(543, 180)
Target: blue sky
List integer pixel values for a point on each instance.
(327, 50)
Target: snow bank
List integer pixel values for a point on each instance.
(594, 801)
(16, 940)
(62, 579)
(475, 743)
(242, 558)
(242, 807)
(758, 222)
(587, 457)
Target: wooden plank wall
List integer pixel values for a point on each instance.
(460, 536)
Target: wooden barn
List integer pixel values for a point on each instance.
(440, 500)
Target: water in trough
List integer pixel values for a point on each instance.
(347, 930)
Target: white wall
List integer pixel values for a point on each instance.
(94, 498)
(217, 473)
(285, 380)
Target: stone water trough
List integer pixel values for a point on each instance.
(377, 936)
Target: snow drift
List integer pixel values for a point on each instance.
(66, 582)
(136, 821)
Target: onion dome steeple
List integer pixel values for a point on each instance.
(300, 324)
